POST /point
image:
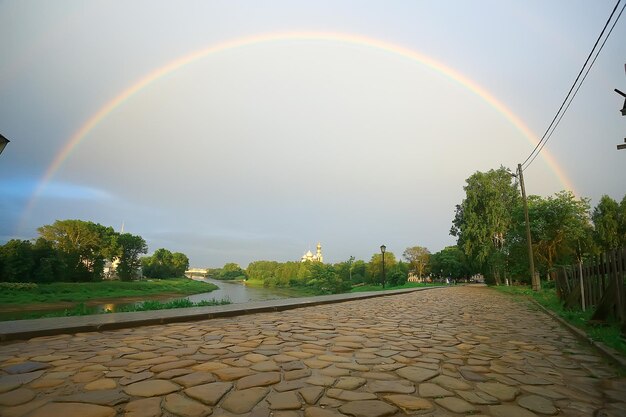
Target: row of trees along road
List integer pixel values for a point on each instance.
(490, 228)
(77, 250)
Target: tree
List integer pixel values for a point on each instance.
(483, 219)
(326, 280)
(418, 258)
(230, 271)
(16, 261)
(129, 248)
(84, 246)
(375, 267)
(450, 262)
(560, 230)
(606, 221)
(165, 264)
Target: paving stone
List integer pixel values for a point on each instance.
(297, 374)
(231, 374)
(101, 384)
(16, 397)
(25, 367)
(258, 380)
(409, 403)
(429, 390)
(396, 387)
(266, 366)
(321, 380)
(311, 394)
(417, 374)
(506, 410)
(500, 391)
(284, 401)
(450, 383)
(479, 398)
(106, 397)
(73, 410)
(194, 378)
(89, 376)
(321, 412)
(288, 385)
(131, 379)
(211, 393)
(46, 383)
(242, 401)
(368, 408)
(472, 376)
(537, 404)
(316, 363)
(350, 382)
(456, 405)
(22, 410)
(530, 380)
(174, 373)
(9, 386)
(172, 365)
(347, 395)
(184, 407)
(151, 388)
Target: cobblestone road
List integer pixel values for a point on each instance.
(447, 352)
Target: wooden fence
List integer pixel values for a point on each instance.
(602, 286)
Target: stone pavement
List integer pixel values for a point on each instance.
(450, 352)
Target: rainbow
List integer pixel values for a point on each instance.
(359, 40)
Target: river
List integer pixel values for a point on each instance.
(236, 292)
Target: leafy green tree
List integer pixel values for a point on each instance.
(606, 221)
(230, 271)
(418, 258)
(165, 264)
(375, 267)
(17, 261)
(450, 262)
(621, 230)
(326, 280)
(84, 246)
(129, 249)
(483, 219)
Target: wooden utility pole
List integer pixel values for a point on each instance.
(536, 283)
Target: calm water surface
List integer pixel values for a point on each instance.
(235, 292)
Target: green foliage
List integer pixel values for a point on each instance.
(164, 264)
(230, 271)
(325, 280)
(418, 258)
(80, 292)
(483, 218)
(128, 250)
(450, 262)
(607, 221)
(375, 267)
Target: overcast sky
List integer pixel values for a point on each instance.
(258, 152)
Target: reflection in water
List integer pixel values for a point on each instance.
(235, 292)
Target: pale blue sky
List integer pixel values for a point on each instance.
(259, 152)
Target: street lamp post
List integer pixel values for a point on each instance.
(382, 250)
(3, 143)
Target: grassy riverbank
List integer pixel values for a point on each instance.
(608, 334)
(371, 287)
(24, 294)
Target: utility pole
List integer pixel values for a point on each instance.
(536, 283)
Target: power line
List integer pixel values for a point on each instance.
(556, 118)
(577, 88)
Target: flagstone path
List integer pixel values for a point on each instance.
(448, 352)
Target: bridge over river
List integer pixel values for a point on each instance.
(443, 352)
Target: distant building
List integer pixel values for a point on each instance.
(314, 258)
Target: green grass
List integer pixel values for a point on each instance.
(82, 310)
(371, 287)
(84, 291)
(608, 334)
